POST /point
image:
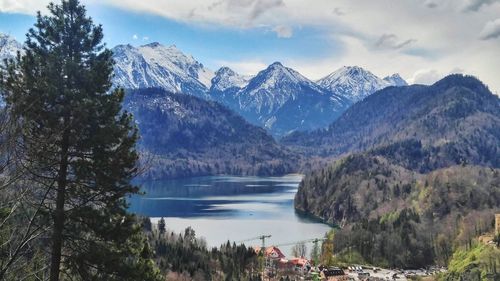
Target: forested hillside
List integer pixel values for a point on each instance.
(184, 256)
(427, 180)
(182, 135)
(457, 115)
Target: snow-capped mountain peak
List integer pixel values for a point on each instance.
(396, 80)
(9, 46)
(277, 98)
(353, 82)
(226, 78)
(282, 100)
(278, 76)
(156, 65)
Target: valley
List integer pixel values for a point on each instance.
(364, 170)
(252, 206)
(186, 136)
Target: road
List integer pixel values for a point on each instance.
(385, 274)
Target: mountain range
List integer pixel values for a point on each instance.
(355, 83)
(278, 98)
(409, 172)
(456, 121)
(154, 65)
(457, 111)
(414, 165)
(282, 100)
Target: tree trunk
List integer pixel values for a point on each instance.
(57, 235)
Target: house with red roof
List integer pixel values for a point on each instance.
(271, 252)
(300, 264)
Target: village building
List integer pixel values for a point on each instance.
(300, 264)
(271, 252)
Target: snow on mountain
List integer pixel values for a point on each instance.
(9, 47)
(283, 100)
(356, 83)
(155, 65)
(273, 87)
(8, 50)
(278, 98)
(225, 78)
(396, 80)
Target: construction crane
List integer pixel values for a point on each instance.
(313, 240)
(261, 237)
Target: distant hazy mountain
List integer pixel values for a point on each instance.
(395, 80)
(155, 65)
(356, 83)
(182, 135)
(9, 46)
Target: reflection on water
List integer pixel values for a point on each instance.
(229, 208)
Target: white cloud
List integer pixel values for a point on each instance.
(412, 36)
(426, 76)
(491, 30)
(475, 5)
(431, 4)
(393, 42)
(261, 6)
(283, 31)
(229, 13)
(23, 6)
(135, 37)
(338, 11)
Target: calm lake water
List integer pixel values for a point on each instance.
(230, 208)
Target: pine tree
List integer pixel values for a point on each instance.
(161, 226)
(315, 253)
(79, 147)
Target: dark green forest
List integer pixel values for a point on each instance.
(415, 191)
(182, 135)
(457, 114)
(182, 256)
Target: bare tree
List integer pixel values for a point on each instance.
(299, 250)
(19, 206)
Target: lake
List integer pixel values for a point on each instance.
(222, 208)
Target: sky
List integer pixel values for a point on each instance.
(423, 40)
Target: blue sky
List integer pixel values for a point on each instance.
(423, 40)
(212, 45)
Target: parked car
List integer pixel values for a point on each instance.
(363, 274)
(333, 271)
